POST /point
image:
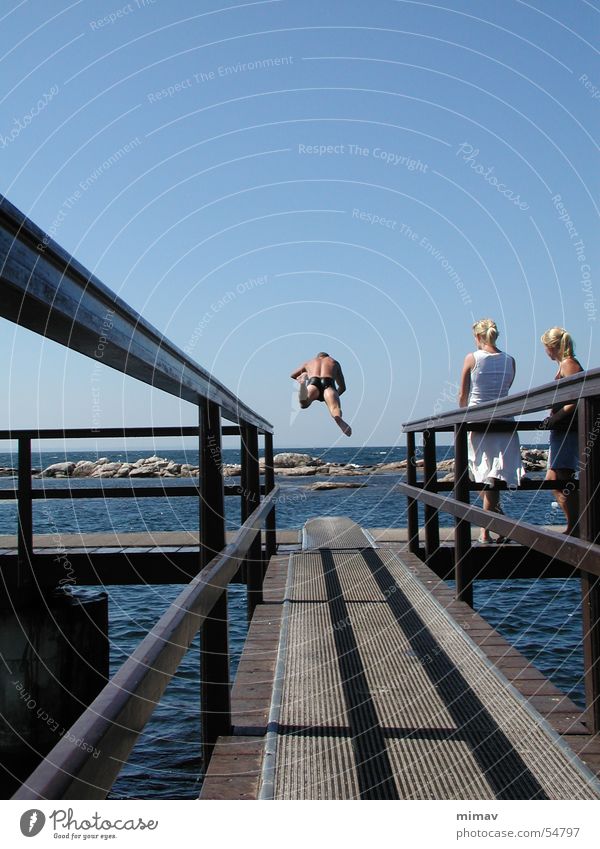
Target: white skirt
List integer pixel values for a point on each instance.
(495, 455)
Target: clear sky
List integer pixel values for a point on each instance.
(266, 180)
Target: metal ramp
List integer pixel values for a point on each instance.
(381, 695)
(335, 532)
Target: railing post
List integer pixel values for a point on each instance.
(412, 507)
(432, 517)
(270, 526)
(462, 528)
(25, 517)
(589, 525)
(250, 501)
(212, 497)
(214, 638)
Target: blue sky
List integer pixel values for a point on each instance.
(265, 180)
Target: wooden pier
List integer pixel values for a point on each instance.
(362, 678)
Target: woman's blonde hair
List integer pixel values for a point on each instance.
(487, 329)
(557, 337)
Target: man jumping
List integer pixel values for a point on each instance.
(317, 379)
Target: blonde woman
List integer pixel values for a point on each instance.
(487, 375)
(563, 456)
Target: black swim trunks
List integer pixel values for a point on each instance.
(322, 383)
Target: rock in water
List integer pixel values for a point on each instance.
(58, 468)
(84, 469)
(106, 470)
(143, 472)
(298, 471)
(289, 460)
(334, 485)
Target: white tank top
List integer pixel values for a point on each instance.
(491, 377)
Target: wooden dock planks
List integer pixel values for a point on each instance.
(116, 559)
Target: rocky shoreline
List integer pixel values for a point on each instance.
(286, 464)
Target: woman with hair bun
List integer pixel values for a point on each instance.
(563, 456)
(487, 375)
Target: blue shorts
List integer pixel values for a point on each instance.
(564, 450)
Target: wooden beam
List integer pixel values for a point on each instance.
(432, 519)
(583, 385)
(574, 552)
(589, 524)
(412, 505)
(462, 528)
(250, 498)
(214, 638)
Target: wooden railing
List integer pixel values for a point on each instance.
(48, 291)
(25, 494)
(86, 761)
(582, 554)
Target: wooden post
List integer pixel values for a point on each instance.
(432, 518)
(212, 498)
(270, 527)
(214, 638)
(25, 518)
(250, 501)
(462, 528)
(412, 507)
(589, 525)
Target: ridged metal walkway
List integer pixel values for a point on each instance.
(381, 695)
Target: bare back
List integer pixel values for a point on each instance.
(322, 367)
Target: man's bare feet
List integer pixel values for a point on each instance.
(344, 426)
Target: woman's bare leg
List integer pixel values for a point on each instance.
(491, 502)
(567, 497)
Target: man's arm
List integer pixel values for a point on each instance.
(296, 374)
(340, 380)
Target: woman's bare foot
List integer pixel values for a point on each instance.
(344, 426)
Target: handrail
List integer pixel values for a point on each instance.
(131, 491)
(580, 554)
(583, 385)
(48, 291)
(110, 432)
(85, 763)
